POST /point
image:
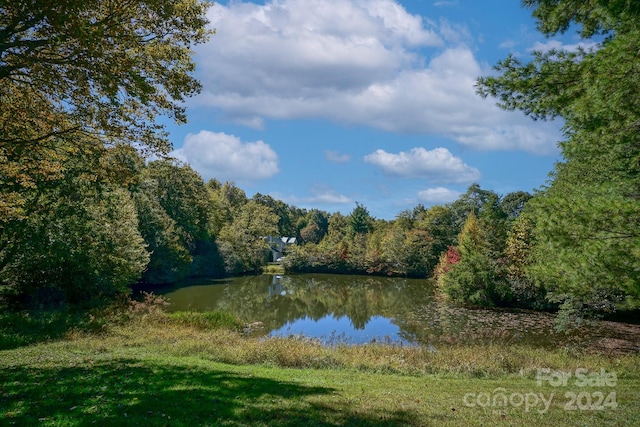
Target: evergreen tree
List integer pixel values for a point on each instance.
(360, 220)
(587, 238)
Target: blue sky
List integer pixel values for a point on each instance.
(325, 103)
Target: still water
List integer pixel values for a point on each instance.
(362, 309)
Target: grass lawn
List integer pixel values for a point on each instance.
(162, 370)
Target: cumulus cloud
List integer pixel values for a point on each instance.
(438, 195)
(358, 62)
(437, 165)
(226, 158)
(336, 157)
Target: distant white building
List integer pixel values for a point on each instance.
(279, 245)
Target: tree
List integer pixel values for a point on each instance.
(494, 225)
(475, 278)
(360, 220)
(176, 211)
(439, 222)
(81, 86)
(471, 201)
(109, 68)
(286, 215)
(169, 258)
(407, 251)
(232, 198)
(587, 247)
(332, 255)
(587, 218)
(446, 260)
(311, 234)
(183, 196)
(513, 203)
(518, 258)
(316, 226)
(96, 73)
(80, 241)
(242, 243)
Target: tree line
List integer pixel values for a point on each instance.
(111, 219)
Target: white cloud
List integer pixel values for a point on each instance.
(441, 3)
(330, 198)
(438, 195)
(457, 34)
(296, 47)
(362, 62)
(320, 195)
(437, 165)
(336, 157)
(558, 45)
(227, 158)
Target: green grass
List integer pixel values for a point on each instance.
(206, 320)
(188, 369)
(273, 269)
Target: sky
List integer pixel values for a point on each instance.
(325, 103)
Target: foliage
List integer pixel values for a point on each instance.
(513, 204)
(80, 240)
(311, 234)
(287, 215)
(406, 251)
(447, 259)
(314, 226)
(82, 84)
(175, 210)
(494, 222)
(105, 68)
(170, 259)
(586, 218)
(440, 223)
(592, 257)
(472, 201)
(476, 278)
(518, 258)
(242, 242)
(360, 220)
(183, 196)
(411, 245)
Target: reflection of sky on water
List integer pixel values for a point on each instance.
(340, 330)
(358, 309)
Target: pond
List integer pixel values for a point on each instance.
(346, 309)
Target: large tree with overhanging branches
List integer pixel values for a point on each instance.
(83, 85)
(90, 72)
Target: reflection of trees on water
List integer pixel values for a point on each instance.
(277, 300)
(290, 298)
(409, 303)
